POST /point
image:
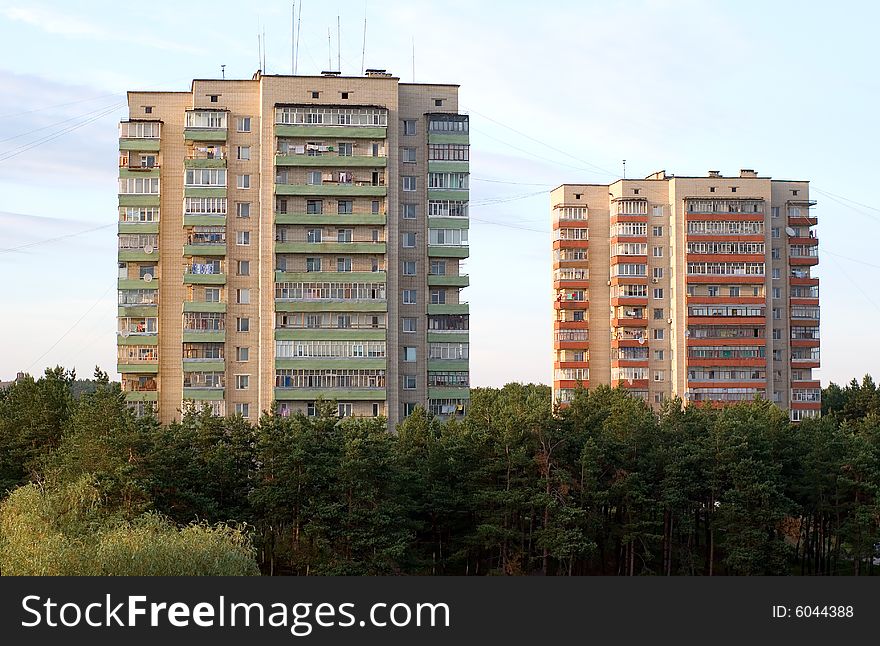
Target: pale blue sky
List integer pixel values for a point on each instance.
(787, 88)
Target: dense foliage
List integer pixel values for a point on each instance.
(604, 487)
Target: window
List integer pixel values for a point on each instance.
(777, 314)
(313, 264)
(408, 240)
(243, 124)
(658, 375)
(658, 355)
(214, 97)
(409, 354)
(242, 354)
(658, 313)
(774, 211)
(242, 209)
(409, 324)
(657, 231)
(409, 297)
(313, 236)
(409, 382)
(343, 265)
(243, 152)
(242, 238)
(212, 294)
(243, 409)
(438, 268)
(578, 315)
(733, 291)
(242, 382)
(243, 296)
(438, 297)
(733, 189)
(438, 102)
(344, 235)
(657, 334)
(777, 334)
(776, 274)
(657, 272)
(344, 96)
(408, 211)
(243, 181)
(777, 293)
(658, 292)
(344, 207)
(315, 94)
(775, 253)
(244, 268)
(409, 126)
(409, 183)
(408, 155)
(713, 290)
(314, 177)
(242, 324)
(658, 252)
(657, 210)
(345, 149)
(409, 408)
(148, 109)
(409, 267)
(343, 321)
(374, 207)
(774, 232)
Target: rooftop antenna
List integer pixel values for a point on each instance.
(414, 58)
(364, 48)
(338, 45)
(624, 169)
(293, 37)
(298, 25)
(264, 50)
(259, 50)
(329, 51)
(223, 71)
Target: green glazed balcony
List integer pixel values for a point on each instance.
(138, 227)
(339, 394)
(448, 223)
(204, 134)
(131, 255)
(331, 306)
(331, 132)
(457, 195)
(458, 138)
(462, 280)
(330, 276)
(448, 337)
(324, 363)
(204, 279)
(134, 311)
(204, 220)
(139, 144)
(335, 161)
(201, 306)
(139, 200)
(137, 339)
(139, 367)
(330, 218)
(457, 308)
(204, 394)
(330, 247)
(204, 163)
(448, 393)
(204, 191)
(436, 166)
(204, 250)
(204, 365)
(448, 365)
(218, 336)
(141, 396)
(135, 283)
(330, 334)
(139, 172)
(331, 190)
(442, 251)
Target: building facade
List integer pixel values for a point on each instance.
(284, 239)
(698, 287)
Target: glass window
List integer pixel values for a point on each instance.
(409, 297)
(409, 126)
(243, 124)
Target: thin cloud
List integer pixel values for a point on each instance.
(55, 23)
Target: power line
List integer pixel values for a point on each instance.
(58, 123)
(14, 152)
(58, 105)
(501, 181)
(543, 143)
(70, 329)
(532, 154)
(63, 237)
(856, 285)
(861, 262)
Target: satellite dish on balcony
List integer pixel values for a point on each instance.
(148, 249)
(148, 278)
(791, 232)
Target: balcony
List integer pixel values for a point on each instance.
(355, 246)
(354, 188)
(205, 125)
(204, 273)
(207, 156)
(205, 244)
(460, 280)
(139, 135)
(301, 158)
(448, 251)
(449, 308)
(325, 276)
(334, 219)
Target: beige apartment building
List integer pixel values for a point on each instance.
(698, 287)
(289, 238)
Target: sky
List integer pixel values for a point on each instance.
(557, 92)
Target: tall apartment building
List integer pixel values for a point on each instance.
(699, 287)
(287, 238)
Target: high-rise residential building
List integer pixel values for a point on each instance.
(698, 287)
(289, 238)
